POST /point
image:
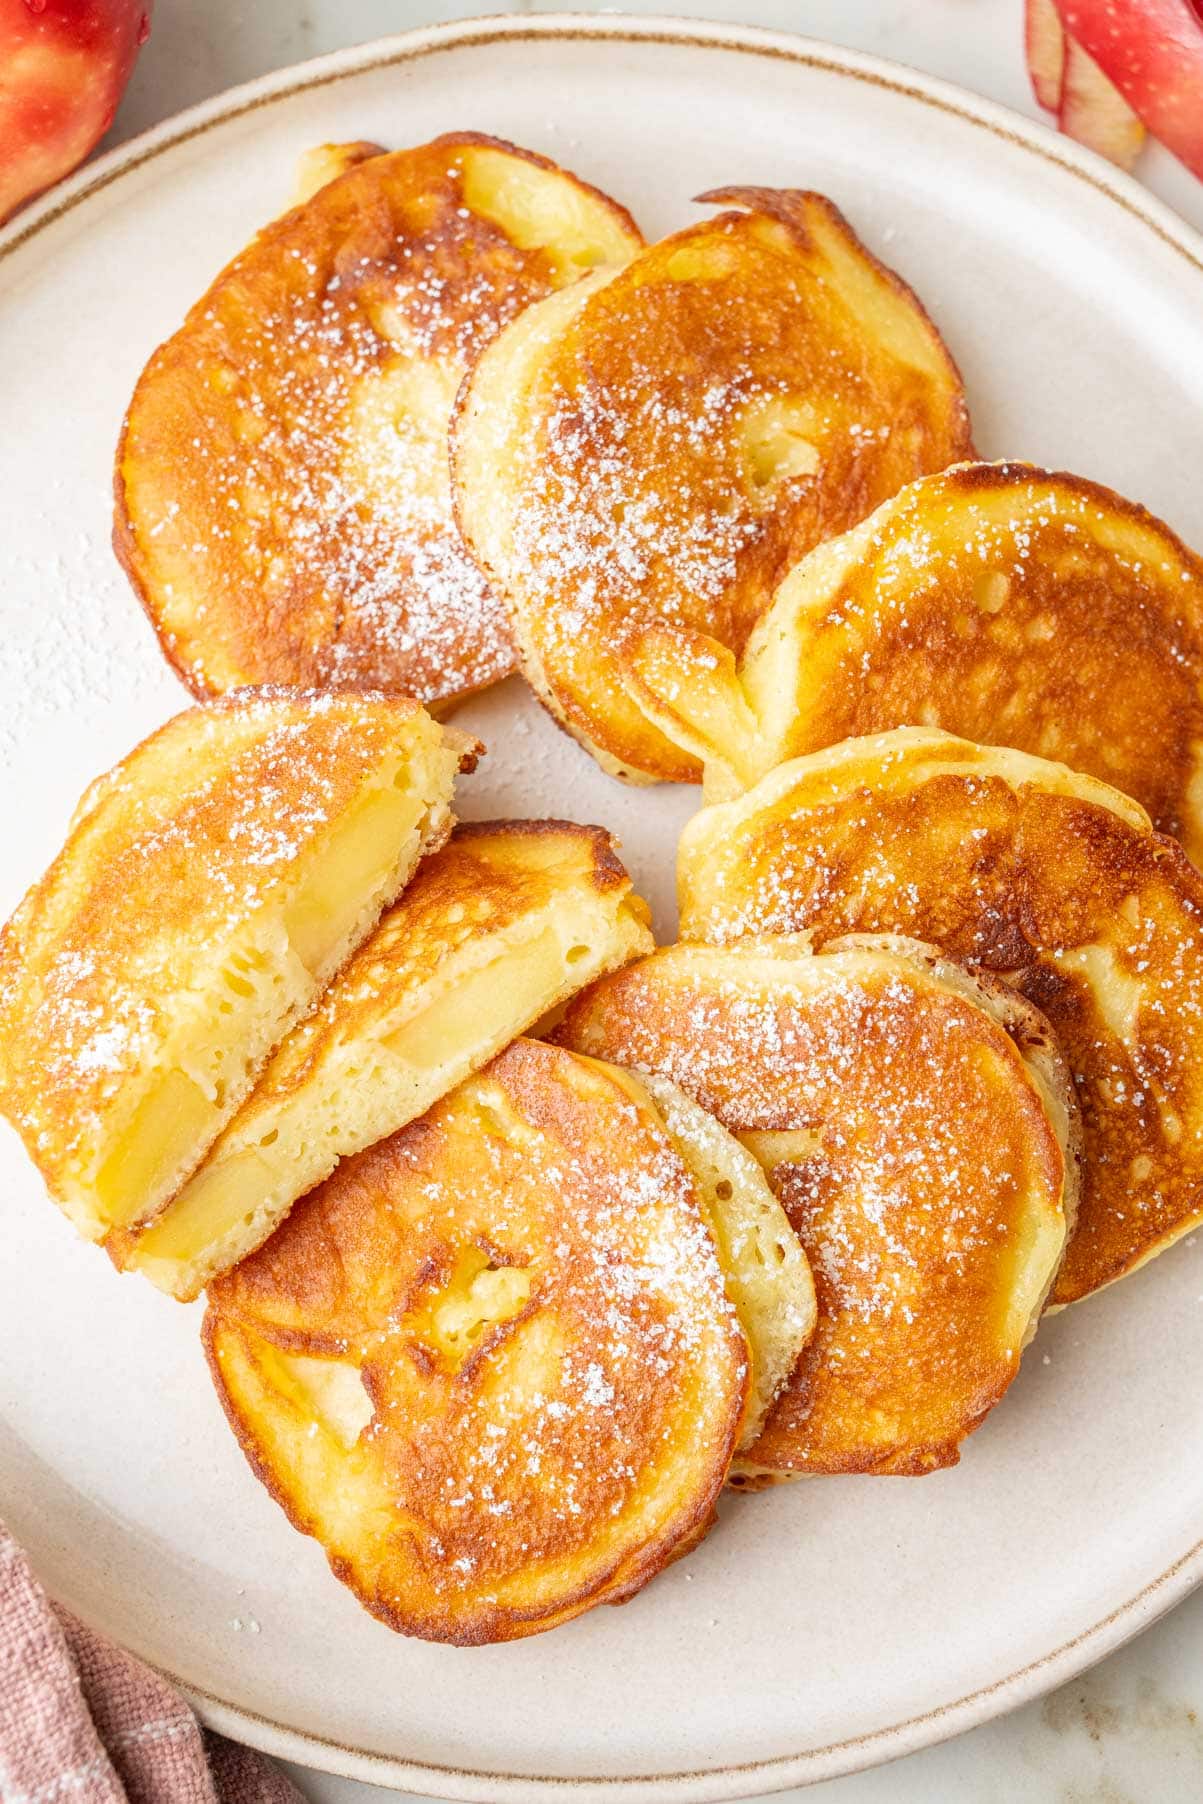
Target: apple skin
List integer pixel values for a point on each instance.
(63, 67)
(1153, 51)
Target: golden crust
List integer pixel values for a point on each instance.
(1018, 866)
(918, 1129)
(504, 923)
(1008, 604)
(281, 494)
(167, 939)
(514, 1461)
(665, 442)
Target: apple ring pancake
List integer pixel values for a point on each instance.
(918, 1124)
(1017, 866)
(1003, 603)
(282, 496)
(210, 886)
(491, 1364)
(502, 925)
(667, 440)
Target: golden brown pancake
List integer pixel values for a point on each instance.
(210, 887)
(665, 442)
(491, 1364)
(919, 1127)
(1001, 602)
(282, 501)
(1018, 866)
(506, 922)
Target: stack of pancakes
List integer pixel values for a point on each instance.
(528, 1306)
(521, 1236)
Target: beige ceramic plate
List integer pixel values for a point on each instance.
(822, 1627)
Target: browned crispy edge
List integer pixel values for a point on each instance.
(616, 1586)
(775, 203)
(1025, 1025)
(609, 872)
(971, 476)
(781, 204)
(124, 538)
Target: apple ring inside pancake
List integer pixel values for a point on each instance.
(502, 925)
(1006, 604)
(919, 1127)
(664, 442)
(324, 163)
(491, 1364)
(1015, 865)
(210, 886)
(282, 495)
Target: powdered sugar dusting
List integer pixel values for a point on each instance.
(591, 533)
(1001, 603)
(76, 645)
(1014, 868)
(770, 1057)
(905, 1147)
(702, 420)
(563, 1422)
(168, 873)
(304, 526)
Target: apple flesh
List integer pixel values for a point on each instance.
(1153, 52)
(63, 67)
(318, 167)
(1044, 45)
(1094, 112)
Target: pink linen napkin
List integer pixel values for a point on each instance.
(83, 1722)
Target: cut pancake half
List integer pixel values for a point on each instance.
(210, 887)
(491, 1364)
(1018, 866)
(503, 924)
(1011, 605)
(282, 501)
(665, 442)
(919, 1127)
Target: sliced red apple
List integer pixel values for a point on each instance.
(1153, 51)
(1044, 45)
(1094, 112)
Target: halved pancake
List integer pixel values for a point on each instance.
(491, 1364)
(210, 887)
(282, 498)
(1018, 866)
(999, 601)
(665, 442)
(919, 1127)
(506, 922)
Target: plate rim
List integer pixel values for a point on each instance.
(718, 1784)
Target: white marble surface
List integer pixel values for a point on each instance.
(1131, 1731)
